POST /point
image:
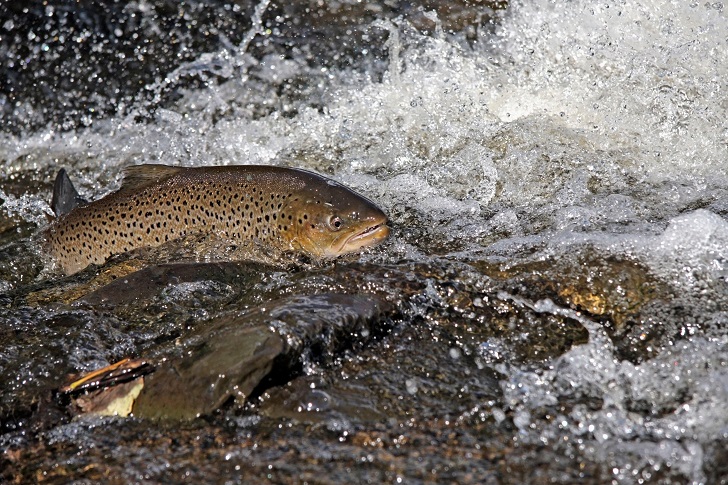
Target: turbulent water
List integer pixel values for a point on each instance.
(568, 160)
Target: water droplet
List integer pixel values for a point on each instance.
(411, 385)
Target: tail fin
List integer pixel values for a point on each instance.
(65, 198)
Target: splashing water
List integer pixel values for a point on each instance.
(598, 125)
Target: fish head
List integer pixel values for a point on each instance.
(331, 220)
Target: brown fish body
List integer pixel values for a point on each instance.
(283, 208)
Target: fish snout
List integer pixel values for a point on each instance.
(372, 231)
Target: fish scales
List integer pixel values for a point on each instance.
(213, 202)
(282, 208)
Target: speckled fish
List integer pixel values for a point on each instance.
(282, 208)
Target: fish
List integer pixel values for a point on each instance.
(285, 209)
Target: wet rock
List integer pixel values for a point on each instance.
(619, 293)
(76, 288)
(313, 399)
(227, 365)
(143, 286)
(38, 349)
(230, 357)
(427, 381)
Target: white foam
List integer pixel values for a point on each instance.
(692, 251)
(656, 413)
(645, 76)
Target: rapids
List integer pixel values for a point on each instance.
(556, 176)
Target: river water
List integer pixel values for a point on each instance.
(551, 305)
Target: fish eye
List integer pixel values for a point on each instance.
(335, 223)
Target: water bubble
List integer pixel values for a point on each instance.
(498, 415)
(522, 420)
(411, 385)
(492, 351)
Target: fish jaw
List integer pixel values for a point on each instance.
(372, 235)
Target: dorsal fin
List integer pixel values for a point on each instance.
(137, 177)
(65, 198)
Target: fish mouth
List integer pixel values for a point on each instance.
(370, 236)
